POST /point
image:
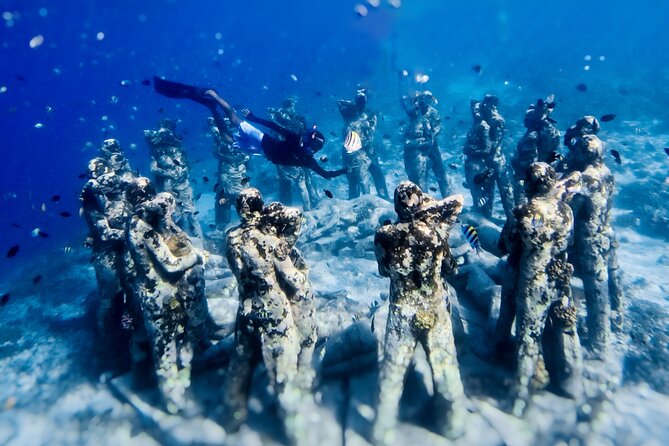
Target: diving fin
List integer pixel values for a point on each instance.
(177, 90)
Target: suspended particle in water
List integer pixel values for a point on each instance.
(124, 83)
(113, 100)
(3, 89)
(39, 125)
(586, 68)
(361, 10)
(587, 58)
(218, 36)
(293, 77)
(100, 35)
(422, 78)
(43, 12)
(36, 41)
(142, 18)
(374, 3)
(405, 73)
(602, 58)
(104, 117)
(395, 3)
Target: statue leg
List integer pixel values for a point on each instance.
(238, 380)
(398, 352)
(439, 172)
(439, 346)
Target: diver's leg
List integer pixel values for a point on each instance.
(227, 108)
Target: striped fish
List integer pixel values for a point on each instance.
(472, 237)
(353, 143)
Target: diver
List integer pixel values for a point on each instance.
(289, 150)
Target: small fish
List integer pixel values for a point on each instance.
(245, 181)
(35, 232)
(13, 250)
(482, 202)
(353, 143)
(472, 237)
(666, 150)
(483, 176)
(43, 207)
(324, 159)
(432, 189)
(177, 162)
(124, 83)
(65, 214)
(161, 110)
(15, 225)
(453, 166)
(328, 193)
(616, 156)
(67, 250)
(582, 87)
(205, 179)
(20, 78)
(146, 82)
(608, 117)
(554, 156)
(196, 212)
(37, 279)
(55, 198)
(82, 176)
(318, 93)
(198, 196)
(476, 69)
(4, 299)
(386, 136)
(537, 220)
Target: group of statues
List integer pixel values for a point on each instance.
(149, 260)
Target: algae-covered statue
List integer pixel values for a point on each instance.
(106, 211)
(485, 164)
(358, 118)
(541, 142)
(421, 145)
(537, 291)
(288, 118)
(169, 289)
(231, 173)
(170, 169)
(274, 319)
(594, 250)
(414, 254)
(111, 151)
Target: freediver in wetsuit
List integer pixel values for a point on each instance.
(292, 150)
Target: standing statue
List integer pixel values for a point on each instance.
(106, 211)
(541, 142)
(414, 253)
(594, 250)
(421, 145)
(288, 118)
(537, 290)
(485, 164)
(359, 119)
(231, 172)
(169, 289)
(274, 310)
(170, 168)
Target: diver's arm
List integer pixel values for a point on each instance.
(327, 174)
(269, 124)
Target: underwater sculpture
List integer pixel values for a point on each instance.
(594, 250)
(537, 290)
(106, 211)
(287, 117)
(170, 169)
(168, 287)
(541, 142)
(359, 119)
(414, 253)
(421, 145)
(231, 171)
(485, 164)
(111, 151)
(275, 322)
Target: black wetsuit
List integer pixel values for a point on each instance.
(291, 150)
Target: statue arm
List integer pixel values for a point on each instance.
(169, 262)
